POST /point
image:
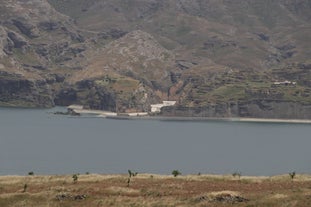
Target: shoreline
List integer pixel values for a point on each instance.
(214, 119)
(302, 176)
(264, 120)
(147, 116)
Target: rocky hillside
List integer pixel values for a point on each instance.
(36, 41)
(125, 55)
(249, 34)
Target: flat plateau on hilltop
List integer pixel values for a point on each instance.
(154, 190)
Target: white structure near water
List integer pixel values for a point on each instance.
(156, 108)
(286, 83)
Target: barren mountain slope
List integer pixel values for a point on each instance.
(39, 49)
(32, 33)
(136, 54)
(215, 58)
(134, 69)
(248, 34)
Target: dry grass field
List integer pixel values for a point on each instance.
(154, 190)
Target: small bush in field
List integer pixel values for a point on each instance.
(175, 173)
(75, 178)
(131, 174)
(292, 175)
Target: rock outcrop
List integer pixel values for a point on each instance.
(18, 91)
(35, 40)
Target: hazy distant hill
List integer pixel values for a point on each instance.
(124, 55)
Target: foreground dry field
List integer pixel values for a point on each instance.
(154, 190)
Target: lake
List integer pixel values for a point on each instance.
(39, 141)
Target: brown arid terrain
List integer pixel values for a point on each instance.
(148, 190)
(214, 58)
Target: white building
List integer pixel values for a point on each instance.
(156, 108)
(286, 83)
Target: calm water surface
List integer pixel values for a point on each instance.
(36, 140)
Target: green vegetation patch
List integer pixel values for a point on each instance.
(29, 57)
(229, 92)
